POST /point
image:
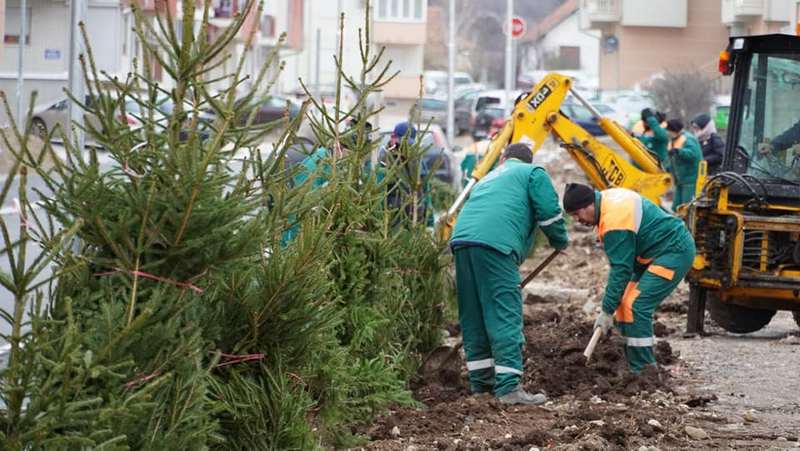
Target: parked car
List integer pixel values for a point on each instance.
(435, 81)
(494, 98)
(581, 115)
(489, 120)
(270, 109)
(430, 109)
(462, 104)
(46, 118)
(628, 105)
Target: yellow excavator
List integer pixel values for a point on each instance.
(538, 114)
(745, 219)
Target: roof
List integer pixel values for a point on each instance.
(541, 28)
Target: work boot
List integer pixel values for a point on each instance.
(520, 396)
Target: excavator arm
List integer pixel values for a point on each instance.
(538, 115)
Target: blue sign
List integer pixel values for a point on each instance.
(52, 54)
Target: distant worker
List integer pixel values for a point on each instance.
(493, 235)
(684, 158)
(399, 192)
(653, 135)
(649, 250)
(711, 143)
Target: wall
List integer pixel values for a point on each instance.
(645, 51)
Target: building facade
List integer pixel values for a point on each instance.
(640, 39)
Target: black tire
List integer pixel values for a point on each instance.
(737, 319)
(39, 127)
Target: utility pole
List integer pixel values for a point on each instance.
(451, 67)
(23, 33)
(509, 56)
(77, 14)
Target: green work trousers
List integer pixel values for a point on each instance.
(647, 289)
(490, 312)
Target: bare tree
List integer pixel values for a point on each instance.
(682, 94)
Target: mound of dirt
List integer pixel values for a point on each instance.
(554, 360)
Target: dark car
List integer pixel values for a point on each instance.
(489, 120)
(271, 109)
(580, 115)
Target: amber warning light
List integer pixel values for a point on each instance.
(724, 62)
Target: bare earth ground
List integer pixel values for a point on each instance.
(741, 392)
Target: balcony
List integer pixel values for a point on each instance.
(599, 13)
(741, 10)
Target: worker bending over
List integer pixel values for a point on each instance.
(493, 235)
(649, 251)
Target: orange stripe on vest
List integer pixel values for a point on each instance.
(624, 313)
(620, 209)
(678, 142)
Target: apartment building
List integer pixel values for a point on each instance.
(640, 39)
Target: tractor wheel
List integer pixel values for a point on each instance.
(737, 319)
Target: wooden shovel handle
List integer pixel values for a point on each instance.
(598, 332)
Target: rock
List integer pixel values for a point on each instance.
(457, 442)
(395, 432)
(465, 429)
(791, 340)
(782, 439)
(571, 428)
(534, 449)
(507, 436)
(749, 416)
(598, 422)
(596, 400)
(654, 423)
(648, 448)
(589, 307)
(411, 448)
(696, 433)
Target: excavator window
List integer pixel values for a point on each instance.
(770, 118)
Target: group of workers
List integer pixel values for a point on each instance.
(649, 250)
(680, 151)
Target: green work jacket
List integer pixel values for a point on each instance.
(506, 206)
(634, 232)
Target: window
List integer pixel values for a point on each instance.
(569, 57)
(268, 26)
(13, 26)
(401, 10)
(769, 131)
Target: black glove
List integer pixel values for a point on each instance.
(646, 113)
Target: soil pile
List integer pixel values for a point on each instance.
(554, 360)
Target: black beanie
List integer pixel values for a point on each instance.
(701, 120)
(577, 196)
(674, 125)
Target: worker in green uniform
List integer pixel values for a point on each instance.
(493, 234)
(649, 251)
(685, 155)
(654, 136)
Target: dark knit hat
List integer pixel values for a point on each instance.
(577, 196)
(520, 152)
(701, 120)
(674, 125)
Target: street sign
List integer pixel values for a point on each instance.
(518, 27)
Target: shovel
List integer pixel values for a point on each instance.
(444, 357)
(598, 332)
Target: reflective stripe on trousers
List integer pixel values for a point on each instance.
(480, 364)
(640, 342)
